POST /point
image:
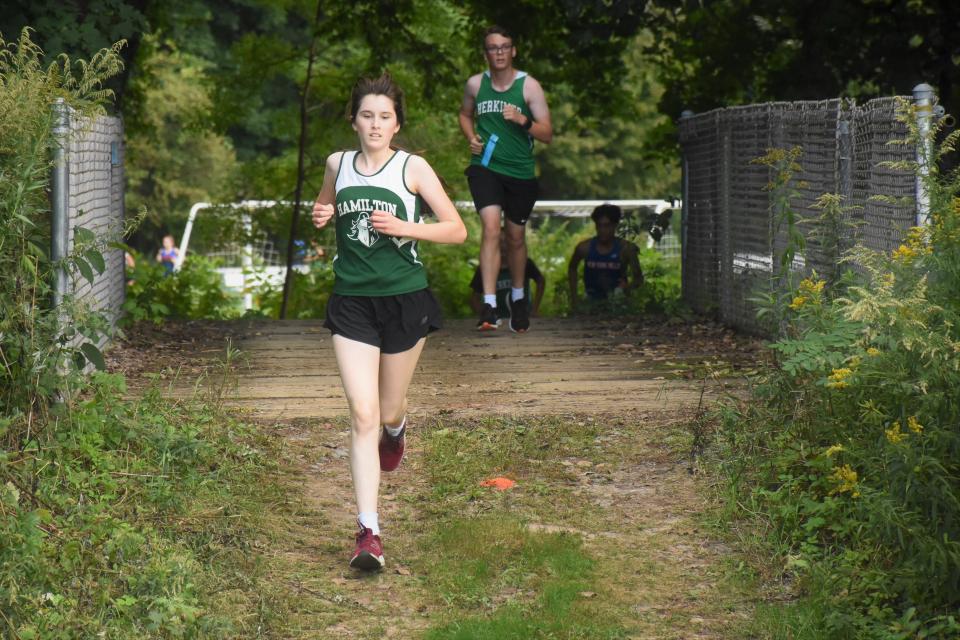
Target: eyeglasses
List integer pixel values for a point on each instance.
(504, 48)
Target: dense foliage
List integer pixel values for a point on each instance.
(115, 520)
(197, 291)
(108, 520)
(718, 53)
(40, 345)
(211, 100)
(848, 451)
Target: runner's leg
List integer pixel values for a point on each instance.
(516, 253)
(490, 248)
(359, 365)
(396, 371)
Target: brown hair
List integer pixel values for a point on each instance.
(382, 86)
(498, 30)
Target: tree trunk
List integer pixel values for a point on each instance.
(301, 153)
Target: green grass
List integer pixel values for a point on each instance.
(215, 536)
(497, 576)
(504, 581)
(143, 521)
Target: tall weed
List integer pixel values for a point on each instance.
(112, 512)
(41, 347)
(129, 520)
(848, 451)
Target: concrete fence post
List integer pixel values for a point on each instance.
(923, 99)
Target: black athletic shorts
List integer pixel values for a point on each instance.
(392, 323)
(515, 196)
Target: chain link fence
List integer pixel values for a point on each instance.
(88, 192)
(730, 238)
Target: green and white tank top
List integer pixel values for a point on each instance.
(512, 153)
(369, 263)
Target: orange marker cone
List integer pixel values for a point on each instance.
(498, 483)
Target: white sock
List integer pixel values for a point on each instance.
(395, 431)
(516, 294)
(490, 299)
(368, 520)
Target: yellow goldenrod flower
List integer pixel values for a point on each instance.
(808, 285)
(837, 448)
(873, 351)
(893, 433)
(798, 302)
(904, 253)
(846, 480)
(917, 239)
(838, 378)
(914, 425)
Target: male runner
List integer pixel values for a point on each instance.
(502, 112)
(611, 264)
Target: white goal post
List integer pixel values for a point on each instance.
(235, 277)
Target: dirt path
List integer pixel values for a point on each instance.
(641, 381)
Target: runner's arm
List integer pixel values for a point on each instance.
(635, 273)
(323, 205)
(467, 106)
(422, 180)
(542, 129)
(572, 276)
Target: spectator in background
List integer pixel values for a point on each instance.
(299, 252)
(611, 263)
(168, 254)
(504, 285)
(317, 252)
(129, 264)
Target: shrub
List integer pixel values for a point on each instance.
(42, 348)
(91, 484)
(195, 291)
(849, 448)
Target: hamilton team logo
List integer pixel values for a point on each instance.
(363, 232)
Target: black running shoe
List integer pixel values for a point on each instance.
(519, 315)
(488, 319)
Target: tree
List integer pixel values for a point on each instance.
(173, 159)
(721, 52)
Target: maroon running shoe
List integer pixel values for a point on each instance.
(368, 554)
(391, 448)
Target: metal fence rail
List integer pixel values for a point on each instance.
(730, 239)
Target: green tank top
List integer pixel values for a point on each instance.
(512, 155)
(367, 263)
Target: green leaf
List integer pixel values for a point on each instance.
(95, 258)
(93, 355)
(84, 268)
(83, 236)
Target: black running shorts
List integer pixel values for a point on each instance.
(515, 196)
(392, 323)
